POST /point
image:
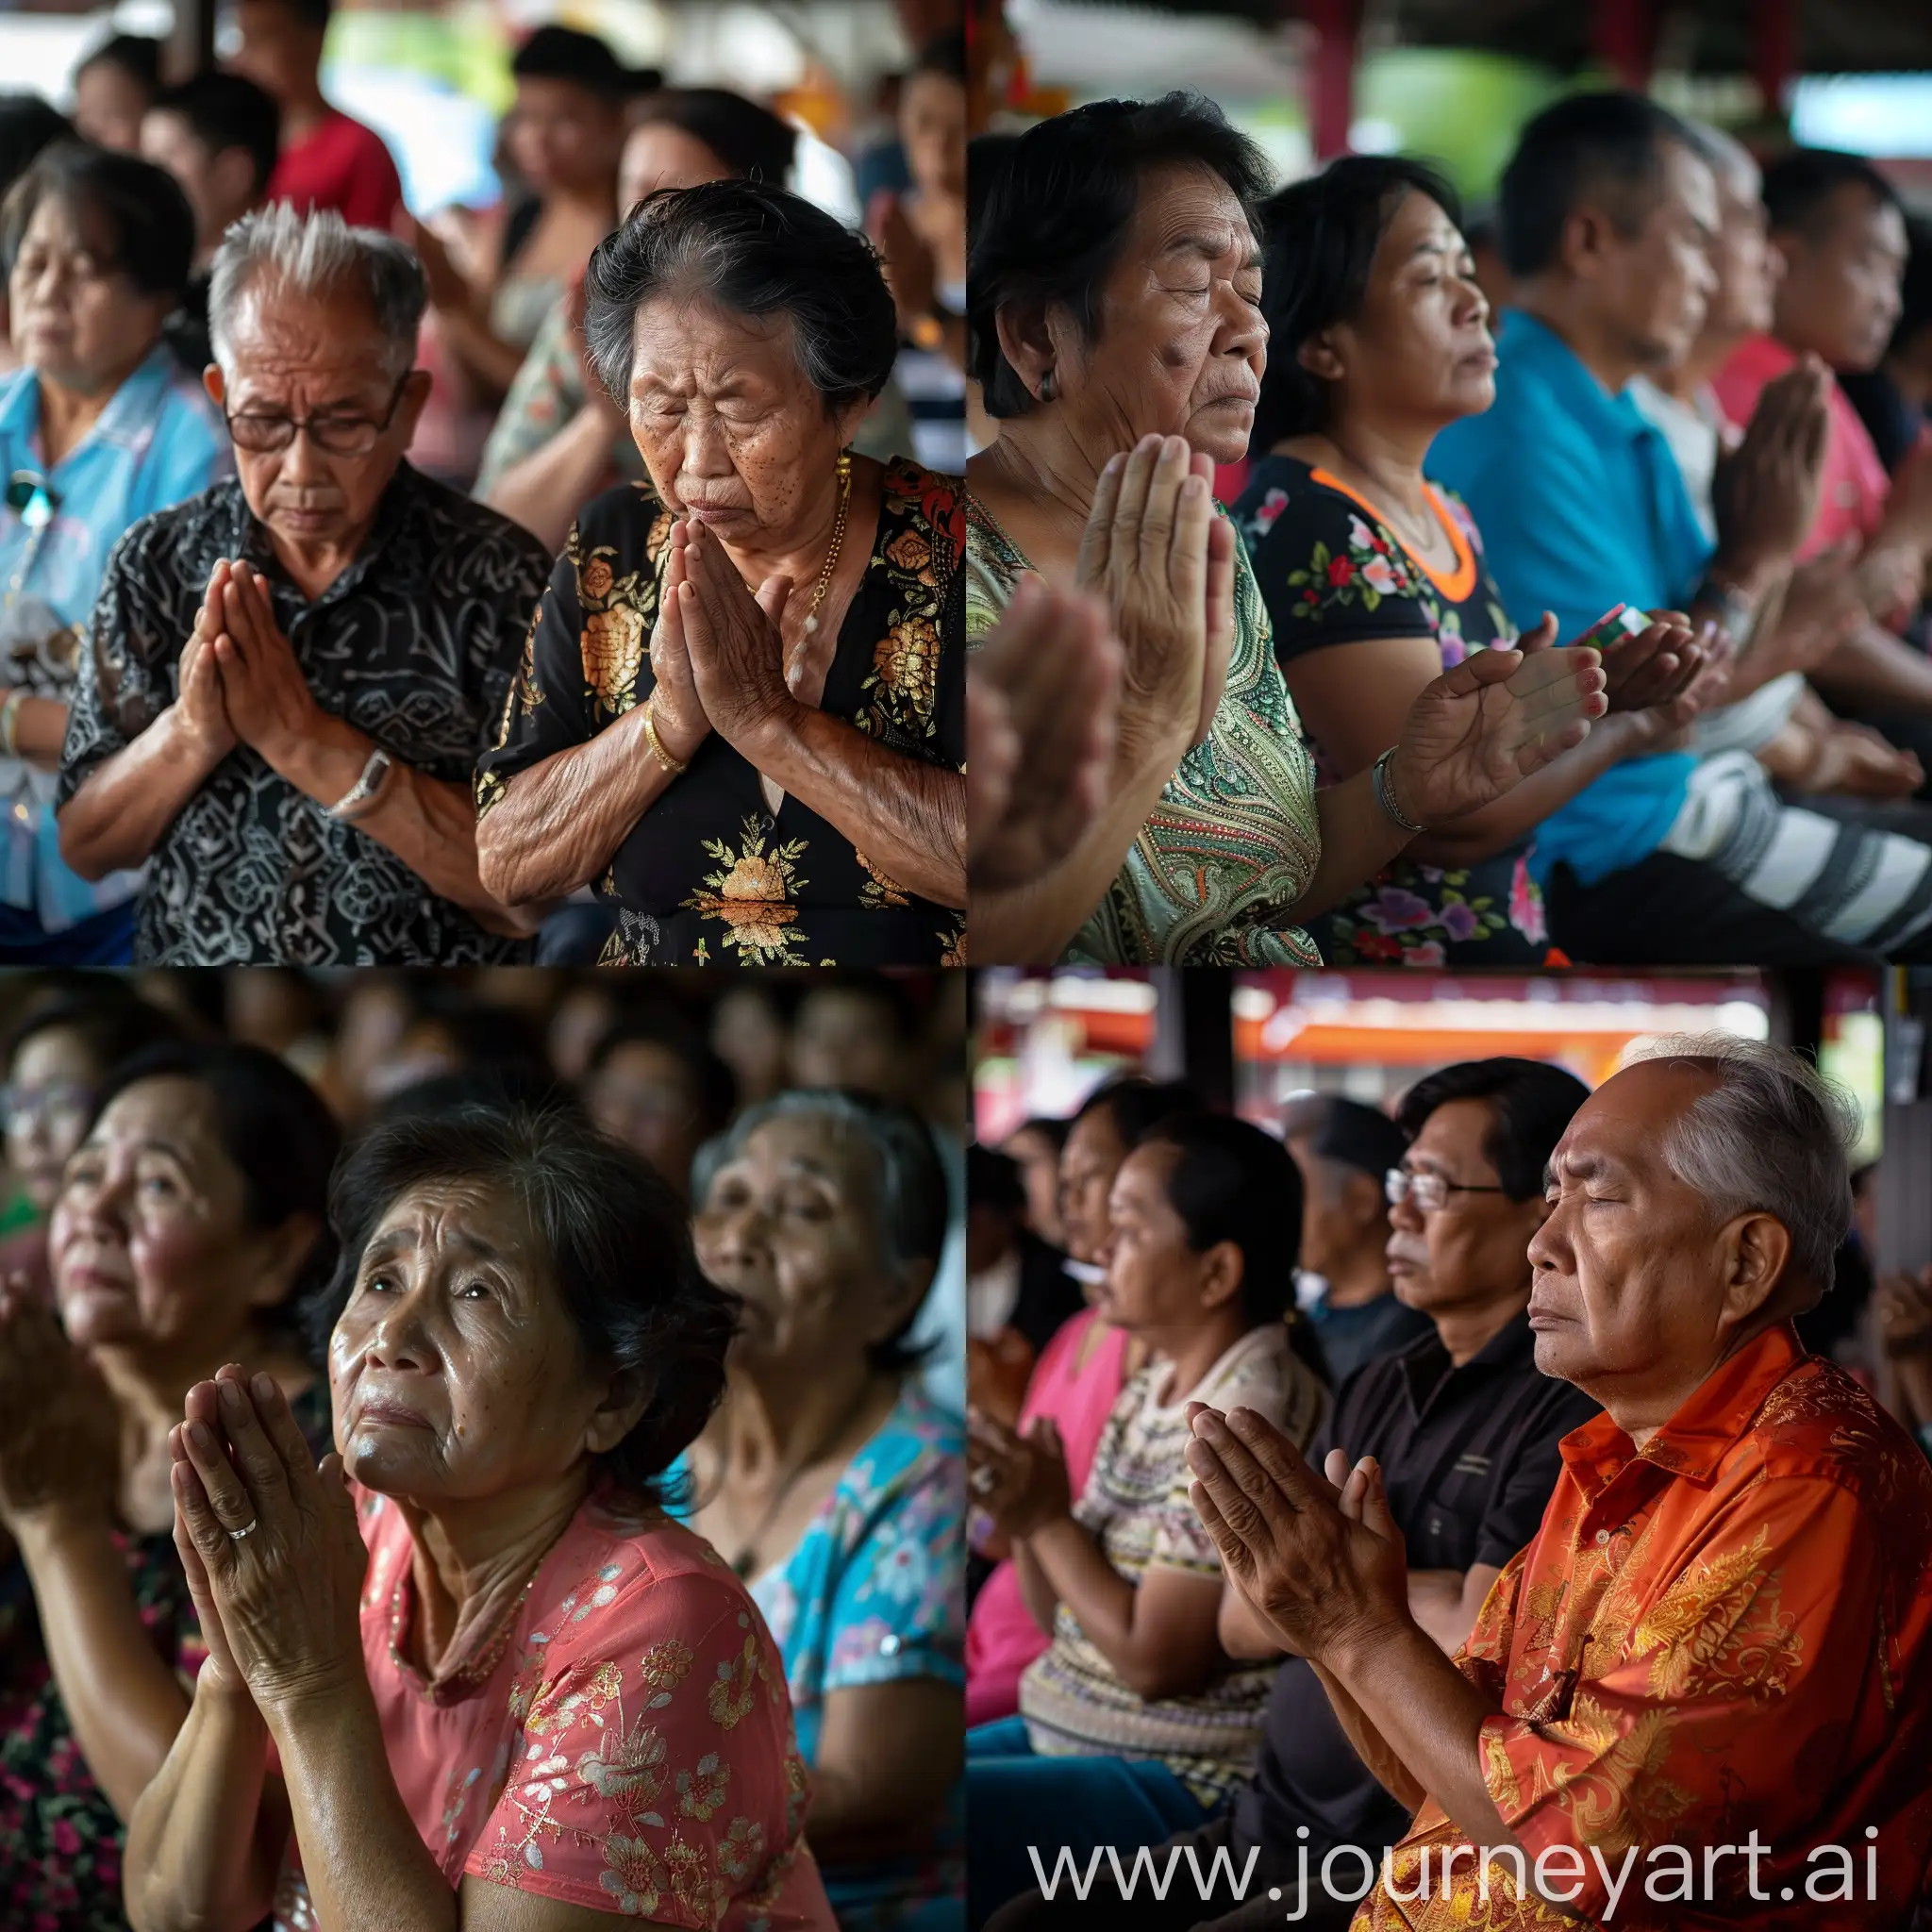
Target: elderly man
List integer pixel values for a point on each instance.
(1703, 1695)
(291, 677)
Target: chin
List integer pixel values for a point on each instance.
(1222, 435)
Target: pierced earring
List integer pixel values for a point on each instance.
(1049, 389)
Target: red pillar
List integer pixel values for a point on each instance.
(1624, 37)
(1775, 51)
(1331, 74)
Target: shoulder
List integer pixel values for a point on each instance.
(359, 140)
(176, 546)
(920, 1447)
(932, 503)
(1819, 1421)
(1285, 501)
(464, 532)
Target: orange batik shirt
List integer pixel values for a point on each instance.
(1727, 1631)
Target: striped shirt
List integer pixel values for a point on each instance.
(1136, 1507)
(936, 393)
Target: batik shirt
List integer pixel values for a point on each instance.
(1727, 1631)
(415, 646)
(710, 875)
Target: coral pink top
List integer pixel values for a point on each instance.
(1002, 1639)
(631, 1752)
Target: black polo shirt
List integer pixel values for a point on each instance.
(1468, 1455)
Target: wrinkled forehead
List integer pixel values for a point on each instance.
(282, 342)
(457, 1217)
(1186, 211)
(816, 1146)
(1622, 1127)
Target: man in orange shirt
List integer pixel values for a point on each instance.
(1702, 1696)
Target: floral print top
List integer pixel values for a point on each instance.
(1233, 839)
(631, 1752)
(1333, 573)
(60, 1842)
(874, 1592)
(709, 876)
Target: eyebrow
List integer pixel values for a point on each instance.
(1582, 1167)
(1213, 247)
(399, 1240)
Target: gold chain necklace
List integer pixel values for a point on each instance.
(832, 563)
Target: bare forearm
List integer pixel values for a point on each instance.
(125, 1704)
(489, 359)
(40, 729)
(558, 824)
(125, 809)
(545, 491)
(1359, 839)
(1041, 1600)
(1873, 669)
(908, 817)
(1098, 1596)
(1245, 1632)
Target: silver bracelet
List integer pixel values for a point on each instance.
(1385, 796)
(365, 788)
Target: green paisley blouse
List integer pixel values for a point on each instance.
(1231, 846)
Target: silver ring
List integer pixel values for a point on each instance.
(235, 1536)
(984, 1482)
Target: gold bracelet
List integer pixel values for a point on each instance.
(656, 744)
(10, 719)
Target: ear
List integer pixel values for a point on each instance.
(1367, 1201)
(1317, 355)
(849, 419)
(1757, 1251)
(626, 1397)
(908, 1292)
(415, 398)
(1580, 249)
(215, 384)
(1223, 1269)
(1029, 340)
(284, 1251)
(231, 173)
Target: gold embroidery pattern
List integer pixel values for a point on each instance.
(618, 613)
(751, 893)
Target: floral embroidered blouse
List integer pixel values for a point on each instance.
(709, 877)
(1233, 839)
(632, 1752)
(1333, 574)
(61, 1843)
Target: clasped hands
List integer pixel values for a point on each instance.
(1317, 1556)
(240, 682)
(60, 1428)
(1019, 1482)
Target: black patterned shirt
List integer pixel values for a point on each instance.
(415, 646)
(708, 875)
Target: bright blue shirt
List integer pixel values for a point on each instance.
(159, 440)
(1581, 507)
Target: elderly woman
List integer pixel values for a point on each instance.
(190, 1216)
(834, 1484)
(290, 676)
(756, 777)
(1116, 329)
(502, 1688)
(98, 428)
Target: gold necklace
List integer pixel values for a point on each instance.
(832, 563)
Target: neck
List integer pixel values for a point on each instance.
(1359, 1278)
(1641, 1404)
(305, 111)
(1589, 335)
(67, 414)
(1709, 354)
(1384, 454)
(149, 1385)
(772, 1417)
(1192, 1352)
(1054, 464)
(313, 567)
(1466, 1331)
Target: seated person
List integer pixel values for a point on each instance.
(653, 1083)
(1076, 1382)
(833, 1483)
(289, 677)
(1608, 211)
(113, 88)
(1018, 1291)
(1722, 1629)
(1135, 1721)
(1346, 1158)
(520, 1346)
(1894, 400)
(1037, 1145)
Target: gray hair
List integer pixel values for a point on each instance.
(1773, 1136)
(318, 255)
(1725, 154)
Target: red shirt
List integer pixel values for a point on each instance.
(1727, 1631)
(342, 165)
(1851, 500)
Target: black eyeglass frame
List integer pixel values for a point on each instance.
(298, 424)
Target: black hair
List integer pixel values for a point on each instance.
(1055, 218)
(617, 1238)
(752, 142)
(759, 251)
(945, 55)
(273, 1127)
(508, 1084)
(28, 124)
(1800, 185)
(141, 206)
(987, 155)
(134, 55)
(712, 1080)
(1915, 290)
(1530, 1103)
(1610, 145)
(1134, 1104)
(1320, 236)
(112, 1022)
(313, 15)
(564, 53)
(1050, 1127)
(226, 110)
(993, 1180)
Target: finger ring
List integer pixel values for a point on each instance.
(984, 1482)
(247, 1529)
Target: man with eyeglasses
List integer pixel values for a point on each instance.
(291, 677)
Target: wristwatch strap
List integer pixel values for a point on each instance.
(365, 788)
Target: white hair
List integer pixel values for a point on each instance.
(1773, 1136)
(318, 255)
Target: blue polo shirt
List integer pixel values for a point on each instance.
(1581, 507)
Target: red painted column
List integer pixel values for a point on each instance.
(1331, 73)
(1623, 37)
(1775, 51)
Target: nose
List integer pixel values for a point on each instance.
(1406, 1215)
(304, 464)
(1545, 1244)
(705, 450)
(399, 1339)
(1243, 328)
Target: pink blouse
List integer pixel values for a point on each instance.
(631, 1752)
(1002, 1639)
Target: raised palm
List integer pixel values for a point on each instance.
(1488, 724)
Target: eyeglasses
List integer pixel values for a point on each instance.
(341, 436)
(1426, 1192)
(22, 1108)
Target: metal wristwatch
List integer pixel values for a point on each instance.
(365, 788)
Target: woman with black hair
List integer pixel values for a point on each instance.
(833, 1482)
(189, 1222)
(113, 88)
(767, 778)
(1374, 578)
(1133, 1723)
(503, 1685)
(1115, 327)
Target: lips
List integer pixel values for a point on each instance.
(391, 1414)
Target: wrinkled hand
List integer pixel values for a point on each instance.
(448, 287)
(1825, 601)
(732, 639)
(1020, 1482)
(59, 1426)
(1902, 1305)
(910, 272)
(1043, 696)
(268, 700)
(1856, 761)
(1162, 561)
(677, 713)
(1321, 1560)
(283, 1600)
(1890, 577)
(1491, 721)
(1765, 493)
(203, 710)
